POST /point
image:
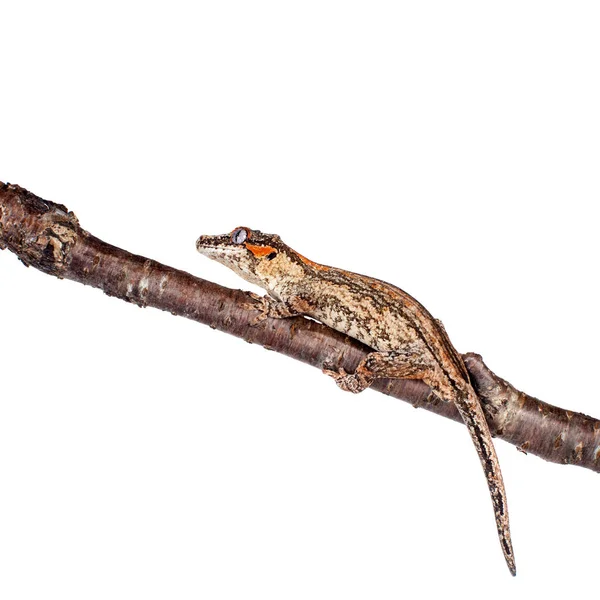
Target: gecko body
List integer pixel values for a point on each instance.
(408, 342)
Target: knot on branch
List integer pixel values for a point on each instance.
(41, 233)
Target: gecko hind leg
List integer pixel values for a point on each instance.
(405, 363)
(408, 364)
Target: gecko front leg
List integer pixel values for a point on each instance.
(267, 306)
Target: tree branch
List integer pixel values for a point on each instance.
(48, 237)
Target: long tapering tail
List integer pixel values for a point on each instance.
(472, 414)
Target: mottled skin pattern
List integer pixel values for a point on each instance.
(409, 342)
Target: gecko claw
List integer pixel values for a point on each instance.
(335, 373)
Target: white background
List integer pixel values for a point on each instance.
(448, 147)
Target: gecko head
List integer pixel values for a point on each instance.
(260, 258)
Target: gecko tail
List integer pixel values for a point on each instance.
(472, 414)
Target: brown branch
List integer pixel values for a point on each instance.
(48, 237)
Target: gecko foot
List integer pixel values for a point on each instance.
(349, 382)
(260, 304)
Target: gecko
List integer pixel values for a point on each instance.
(407, 341)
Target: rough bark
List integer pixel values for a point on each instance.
(48, 236)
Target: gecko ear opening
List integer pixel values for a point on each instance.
(272, 255)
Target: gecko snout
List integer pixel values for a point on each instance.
(201, 241)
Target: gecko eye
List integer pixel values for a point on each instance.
(239, 236)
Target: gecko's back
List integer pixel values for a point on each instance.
(377, 313)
